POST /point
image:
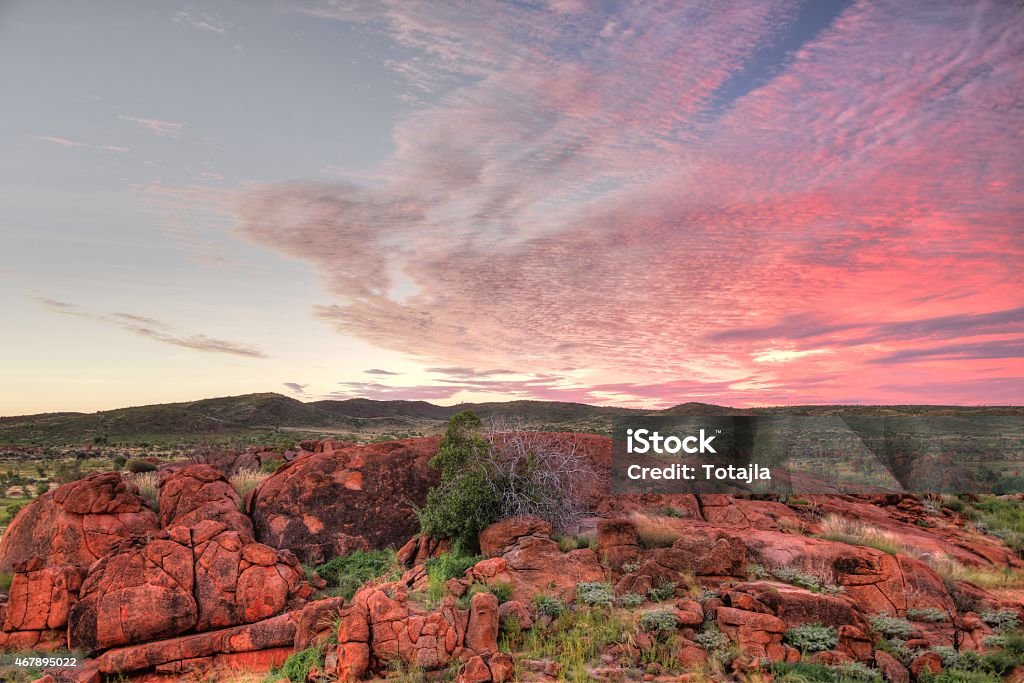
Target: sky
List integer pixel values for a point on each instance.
(618, 203)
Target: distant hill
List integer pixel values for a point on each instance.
(259, 413)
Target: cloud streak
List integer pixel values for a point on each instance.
(156, 330)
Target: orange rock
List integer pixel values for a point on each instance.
(77, 523)
(482, 632)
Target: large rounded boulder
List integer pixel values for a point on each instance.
(344, 498)
(198, 493)
(78, 523)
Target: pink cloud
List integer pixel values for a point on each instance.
(571, 191)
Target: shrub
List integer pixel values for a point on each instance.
(296, 667)
(506, 473)
(663, 592)
(891, 627)
(270, 466)
(855, 532)
(595, 593)
(5, 581)
(669, 511)
(548, 605)
(931, 615)
(811, 637)
(631, 600)
(138, 466)
(451, 565)
(630, 567)
(710, 638)
(1001, 620)
(118, 462)
(346, 574)
(857, 672)
(801, 579)
(499, 589)
(805, 672)
(662, 620)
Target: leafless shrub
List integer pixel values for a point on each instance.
(536, 473)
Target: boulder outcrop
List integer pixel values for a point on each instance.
(344, 497)
(77, 523)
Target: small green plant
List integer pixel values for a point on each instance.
(499, 589)
(118, 462)
(801, 579)
(890, 626)
(296, 668)
(346, 574)
(662, 620)
(5, 581)
(811, 637)
(669, 511)
(595, 593)
(931, 615)
(548, 605)
(630, 567)
(665, 591)
(270, 466)
(710, 637)
(631, 600)
(807, 672)
(1001, 620)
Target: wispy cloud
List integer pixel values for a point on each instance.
(156, 330)
(598, 186)
(204, 21)
(378, 371)
(167, 129)
(65, 142)
(295, 387)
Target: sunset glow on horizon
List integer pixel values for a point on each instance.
(634, 204)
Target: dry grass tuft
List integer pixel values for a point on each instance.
(855, 532)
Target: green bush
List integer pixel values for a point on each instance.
(661, 620)
(1001, 620)
(663, 592)
(891, 627)
(595, 593)
(296, 667)
(137, 466)
(710, 638)
(932, 615)
(463, 504)
(548, 605)
(270, 466)
(499, 589)
(118, 462)
(631, 600)
(347, 573)
(811, 637)
(451, 565)
(42, 488)
(801, 579)
(805, 672)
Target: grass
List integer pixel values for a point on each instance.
(1000, 517)
(951, 569)
(149, 487)
(344, 575)
(575, 640)
(570, 543)
(296, 668)
(246, 480)
(653, 535)
(855, 532)
(450, 565)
